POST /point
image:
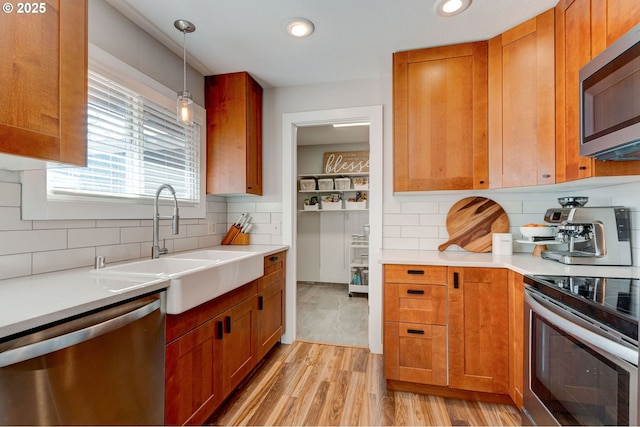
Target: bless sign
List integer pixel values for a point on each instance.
(346, 162)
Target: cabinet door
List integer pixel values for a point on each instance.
(193, 383)
(44, 63)
(270, 317)
(234, 134)
(440, 118)
(521, 105)
(583, 29)
(478, 330)
(236, 347)
(516, 337)
(415, 352)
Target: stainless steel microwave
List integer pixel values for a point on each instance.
(610, 101)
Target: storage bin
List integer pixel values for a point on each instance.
(325, 184)
(360, 182)
(311, 207)
(328, 205)
(356, 206)
(307, 184)
(342, 183)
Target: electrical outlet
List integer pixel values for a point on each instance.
(276, 228)
(211, 226)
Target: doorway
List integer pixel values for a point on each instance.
(292, 123)
(331, 308)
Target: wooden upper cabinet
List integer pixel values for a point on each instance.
(440, 118)
(44, 74)
(521, 105)
(583, 29)
(234, 134)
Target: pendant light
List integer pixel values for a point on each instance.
(185, 113)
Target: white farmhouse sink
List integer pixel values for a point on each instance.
(196, 277)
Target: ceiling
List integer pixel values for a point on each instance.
(353, 39)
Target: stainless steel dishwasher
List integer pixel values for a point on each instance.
(103, 367)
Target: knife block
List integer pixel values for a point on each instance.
(240, 239)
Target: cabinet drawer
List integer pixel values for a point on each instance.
(415, 303)
(415, 274)
(274, 270)
(415, 353)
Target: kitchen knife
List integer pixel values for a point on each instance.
(247, 228)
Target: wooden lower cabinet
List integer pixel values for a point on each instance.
(211, 348)
(271, 302)
(479, 329)
(415, 331)
(516, 337)
(447, 331)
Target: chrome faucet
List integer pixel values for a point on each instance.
(156, 250)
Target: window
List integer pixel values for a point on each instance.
(134, 144)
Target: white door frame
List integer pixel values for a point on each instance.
(290, 123)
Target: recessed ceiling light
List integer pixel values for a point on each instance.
(451, 7)
(299, 27)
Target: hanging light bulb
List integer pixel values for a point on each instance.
(184, 110)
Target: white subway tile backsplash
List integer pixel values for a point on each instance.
(400, 219)
(45, 262)
(136, 234)
(391, 230)
(196, 230)
(18, 242)
(10, 219)
(15, 266)
(419, 207)
(400, 243)
(188, 244)
(118, 253)
(80, 238)
(419, 231)
(10, 194)
(57, 225)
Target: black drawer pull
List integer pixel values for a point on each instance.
(273, 258)
(219, 327)
(415, 271)
(415, 291)
(456, 280)
(227, 324)
(415, 331)
(260, 303)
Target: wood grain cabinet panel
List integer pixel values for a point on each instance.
(271, 303)
(44, 63)
(234, 134)
(479, 329)
(415, 332)
(516, 337)
(583, 29)
(193, 385)
(521, 105)
(440, 118)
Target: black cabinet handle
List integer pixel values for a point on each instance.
(227, 324)
(456, 280)
(273, 258)
(219, 327)
(415, 271)
(260, 303)
(415, 331)
(582, 168)
(415, 291)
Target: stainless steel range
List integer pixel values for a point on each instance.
(581, 350)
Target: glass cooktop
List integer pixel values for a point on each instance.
(613, 301)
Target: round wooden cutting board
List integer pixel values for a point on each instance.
(471, 221)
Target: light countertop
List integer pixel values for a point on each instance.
(523, 263)
(33, 301)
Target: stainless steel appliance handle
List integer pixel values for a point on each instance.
(50, 345)
(599, 341)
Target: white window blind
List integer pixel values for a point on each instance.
(134, 146)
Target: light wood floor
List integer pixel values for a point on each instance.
(318, 384)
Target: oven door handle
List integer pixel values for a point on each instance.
(605, 344)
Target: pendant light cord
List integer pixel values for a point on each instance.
(184, 60)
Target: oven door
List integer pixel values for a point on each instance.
(575, 374)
